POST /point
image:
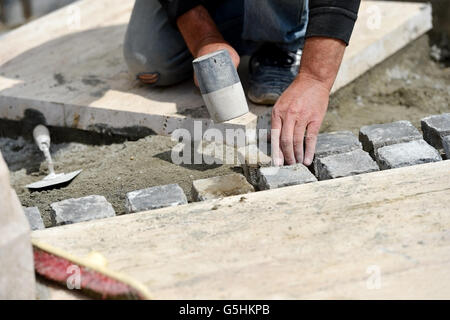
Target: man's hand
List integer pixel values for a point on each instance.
(299, 112)
(202, 36)
(296, 118)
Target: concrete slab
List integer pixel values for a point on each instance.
(154, 198)
(57, 66)
(381, 235)
(222, 186)
(90, 88)
(406, 154)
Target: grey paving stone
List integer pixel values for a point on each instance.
(34, 218)
(435, 128)
(220, 187)
(406, 154)
(345, 164)
(154, 198)
(252, 158)
(380, 135)
(278, 177)
(334, 143)
(446, 145)
(81, 209)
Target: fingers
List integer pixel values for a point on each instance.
(275, 135)
(299, 134)
(287, 139)
(311, 139)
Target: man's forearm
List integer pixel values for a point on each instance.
(202, 35)
(321, 60)
(198, 29)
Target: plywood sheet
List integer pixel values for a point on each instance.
(379, 235)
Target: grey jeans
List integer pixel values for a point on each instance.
(154, 45)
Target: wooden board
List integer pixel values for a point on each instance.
(68, 65)
(379, 235)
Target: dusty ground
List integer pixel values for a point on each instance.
(408, 86)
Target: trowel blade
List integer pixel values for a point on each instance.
(54, 181)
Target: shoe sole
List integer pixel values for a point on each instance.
(267, 99)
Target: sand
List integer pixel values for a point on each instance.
(109, 170)
(407, 86)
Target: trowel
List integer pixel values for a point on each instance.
(42, 138)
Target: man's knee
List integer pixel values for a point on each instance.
(155, 59)
(145, 66)
(153, 47)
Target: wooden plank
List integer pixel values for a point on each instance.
(75, 75)
(16, 256)
(328, 239)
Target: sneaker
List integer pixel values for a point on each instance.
(272, 70)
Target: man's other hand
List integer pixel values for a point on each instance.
(299, 112)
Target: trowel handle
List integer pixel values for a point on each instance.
(42, 137)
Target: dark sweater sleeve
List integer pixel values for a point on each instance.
(176, 8)
(332, 18)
